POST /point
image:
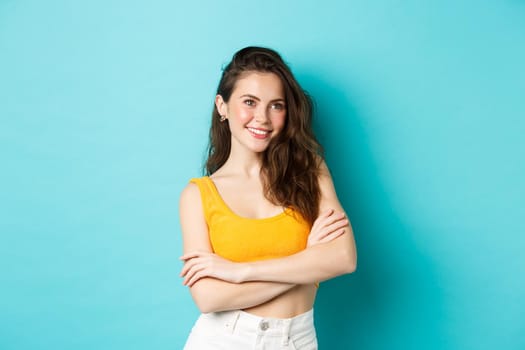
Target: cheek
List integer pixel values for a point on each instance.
(242, 115)
(278, 120)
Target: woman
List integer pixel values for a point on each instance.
(265, 226)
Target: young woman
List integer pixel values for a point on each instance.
(264, 227)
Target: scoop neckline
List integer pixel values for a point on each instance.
(215, 190)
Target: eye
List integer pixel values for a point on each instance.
(278, 105)
(249, 102)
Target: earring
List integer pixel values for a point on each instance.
(223, 118)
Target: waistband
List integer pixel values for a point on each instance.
(241, 320)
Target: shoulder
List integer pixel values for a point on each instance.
(192, 208)
(190, 190)
(191, 193)
(192, 219)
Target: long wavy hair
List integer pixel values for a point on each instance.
(291, 163)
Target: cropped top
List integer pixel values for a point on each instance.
(241, 239)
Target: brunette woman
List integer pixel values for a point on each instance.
(264, 226)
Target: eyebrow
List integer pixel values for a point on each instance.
(258, 99)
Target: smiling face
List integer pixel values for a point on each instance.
(256, 110)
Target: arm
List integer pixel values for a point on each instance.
(212, 294)
(316, 263)
(332, 255)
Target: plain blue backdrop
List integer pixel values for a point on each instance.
(104, 115)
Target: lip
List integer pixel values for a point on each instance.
(263, 133)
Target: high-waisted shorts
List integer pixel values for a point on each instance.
(239, 330)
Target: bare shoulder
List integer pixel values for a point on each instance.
(192, 220)
(190, 203)
(190, 195)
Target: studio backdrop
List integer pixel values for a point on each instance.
(104, 115)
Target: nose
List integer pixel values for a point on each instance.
(261, 115)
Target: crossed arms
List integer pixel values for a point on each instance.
(217, 284)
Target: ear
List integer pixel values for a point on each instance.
(222, 107)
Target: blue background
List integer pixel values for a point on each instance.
(104, 115)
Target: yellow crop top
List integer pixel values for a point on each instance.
(243, 239)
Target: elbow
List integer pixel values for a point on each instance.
(205, 301)
(203, 304)
(205, 307)
(350, 268)
(208, 304)
(349, 261)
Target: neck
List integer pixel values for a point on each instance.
(244, 163)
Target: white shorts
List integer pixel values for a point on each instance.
(239, 330)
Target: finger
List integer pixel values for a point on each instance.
(334, 218)
(185, 269)
(332, 236)
(195, 269)
(332, 228)
(191, 255)
(189, 264)
(203, 271)
(325, 214)
(322, 229)
(325, 221)
(337, 224)
(196, 278)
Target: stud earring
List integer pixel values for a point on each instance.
(223, 118)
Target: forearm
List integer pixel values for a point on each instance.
(314, 264)
(212, 295)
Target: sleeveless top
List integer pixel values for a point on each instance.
(243, 239)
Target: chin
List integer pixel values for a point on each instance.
(259, 149)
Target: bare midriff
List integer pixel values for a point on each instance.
(296, 301)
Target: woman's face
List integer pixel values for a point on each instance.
(256, 111)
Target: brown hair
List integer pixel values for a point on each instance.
(290, 164)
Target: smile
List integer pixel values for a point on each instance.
(259, 133)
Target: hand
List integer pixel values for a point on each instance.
(328, 226)
(205, 264)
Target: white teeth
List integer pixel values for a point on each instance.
(258, 132)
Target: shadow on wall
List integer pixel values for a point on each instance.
(393, 300)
